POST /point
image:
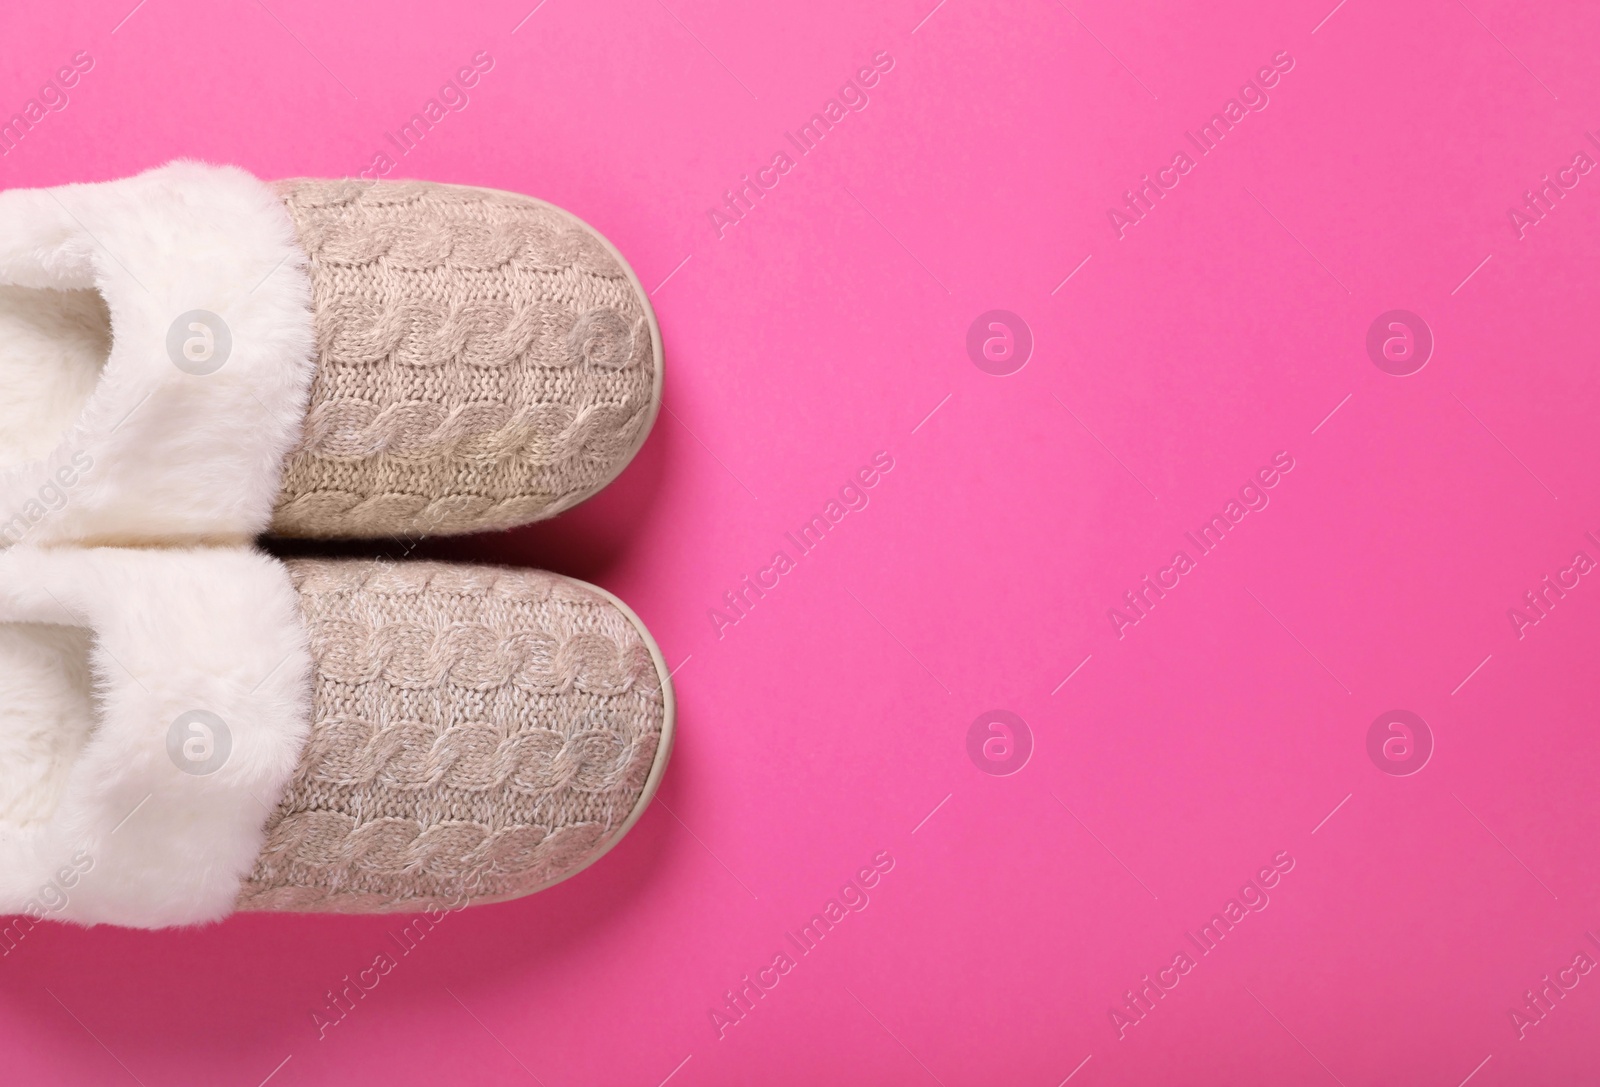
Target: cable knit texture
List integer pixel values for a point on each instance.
(478, 734)
(483, 360)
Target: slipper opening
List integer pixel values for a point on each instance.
(53, 349)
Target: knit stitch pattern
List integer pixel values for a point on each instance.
(483, 360)
(478, 733)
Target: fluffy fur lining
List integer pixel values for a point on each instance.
(103, 437)
(101, 651)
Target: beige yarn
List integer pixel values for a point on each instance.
(483, 360)
(477, 733)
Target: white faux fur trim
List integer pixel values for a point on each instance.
(132, 834)
(159, 454)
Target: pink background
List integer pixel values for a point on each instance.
(826, 725)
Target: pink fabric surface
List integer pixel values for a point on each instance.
(1399, 902)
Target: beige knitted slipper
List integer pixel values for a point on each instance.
(185, 733)
(483, 360)
(193, 354)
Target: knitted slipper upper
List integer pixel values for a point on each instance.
(477, 734)
(483, 360)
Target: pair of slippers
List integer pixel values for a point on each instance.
(191, 358)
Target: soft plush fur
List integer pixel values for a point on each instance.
(100, 652)
(103, 438)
